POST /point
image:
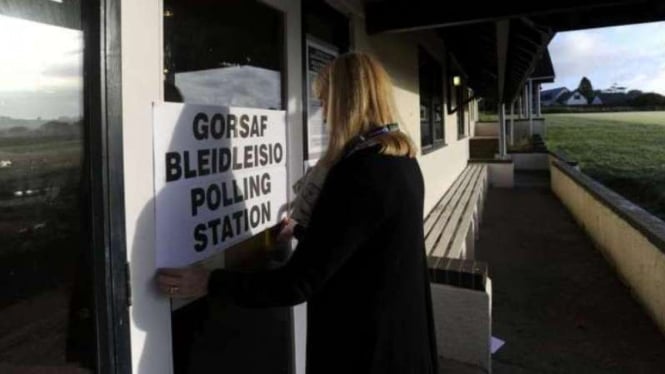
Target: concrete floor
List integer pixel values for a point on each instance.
(557, 304)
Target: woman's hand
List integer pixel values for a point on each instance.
(189, 282)
(286, 231)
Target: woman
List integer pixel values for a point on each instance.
(361, 264)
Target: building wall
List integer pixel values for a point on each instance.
(142, 81)
(142, 67)
(635, 257)
(580, 101)
(399, 54)
(142, 84)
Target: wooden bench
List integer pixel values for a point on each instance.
(461, 288)
(452, 225)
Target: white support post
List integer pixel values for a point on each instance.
(539, 113)
(525, 101)
(519, 106)
(512, 123)
(502, 131)
(529, 106)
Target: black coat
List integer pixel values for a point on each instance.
(362, 269)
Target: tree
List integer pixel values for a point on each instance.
(650, 99)
(586, 88)
(632, 94)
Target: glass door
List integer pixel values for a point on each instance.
(56, 306)
(229, 53)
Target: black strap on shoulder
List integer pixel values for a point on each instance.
(366, 140)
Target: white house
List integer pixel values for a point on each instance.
(573, 98)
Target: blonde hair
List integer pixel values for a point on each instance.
(357, 96)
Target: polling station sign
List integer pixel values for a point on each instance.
(220, 177)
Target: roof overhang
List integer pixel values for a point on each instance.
(502, 45)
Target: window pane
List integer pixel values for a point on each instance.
(461, 112)
(438, 119)
(223, 53)
(427, 83)
(228, 53)
(437, 102)
(425, 124)
(453, 92)
(46, 318)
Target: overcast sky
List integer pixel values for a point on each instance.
(40, 65)
(631, 56)
(40, 70)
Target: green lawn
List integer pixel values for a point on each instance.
(625, 151)
(647, 118)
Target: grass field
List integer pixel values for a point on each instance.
(40, 233)
(625, 151)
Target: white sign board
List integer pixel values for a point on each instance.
(318, 56)
(220, 178)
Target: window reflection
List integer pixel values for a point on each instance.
(40, 172)
(431, 99)
(223, 53)
(228, 53)
(244, 86)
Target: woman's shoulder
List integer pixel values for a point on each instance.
(373, 155)
(370, 163)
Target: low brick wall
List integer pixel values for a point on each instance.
(521, 128)
(530, 160)
(630, 238)
(463, 324)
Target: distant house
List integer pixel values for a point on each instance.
(573, 98)
(614, 96)
(550, 97)
(613, 99)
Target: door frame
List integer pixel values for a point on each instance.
(142, 81)
(104, 172)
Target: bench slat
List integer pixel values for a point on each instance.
(444, 215)
(454, 213)
(455, 248)
(435, 213)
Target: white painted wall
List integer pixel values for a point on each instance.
(142, 81)
(142, 69)
(636, 258)
(463, 315)
(294, 136)
(142, 63)
(399, 55)
(577, 99)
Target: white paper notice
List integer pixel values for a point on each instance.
(220, 178)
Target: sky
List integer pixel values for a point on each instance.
(41, 65)
(632, 56)
(40, 70)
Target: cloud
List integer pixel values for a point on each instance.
(654, 83)
(44, 104)
(632, 56)
(39, 56)
(68, 70)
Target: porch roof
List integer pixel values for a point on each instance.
(501, 46)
